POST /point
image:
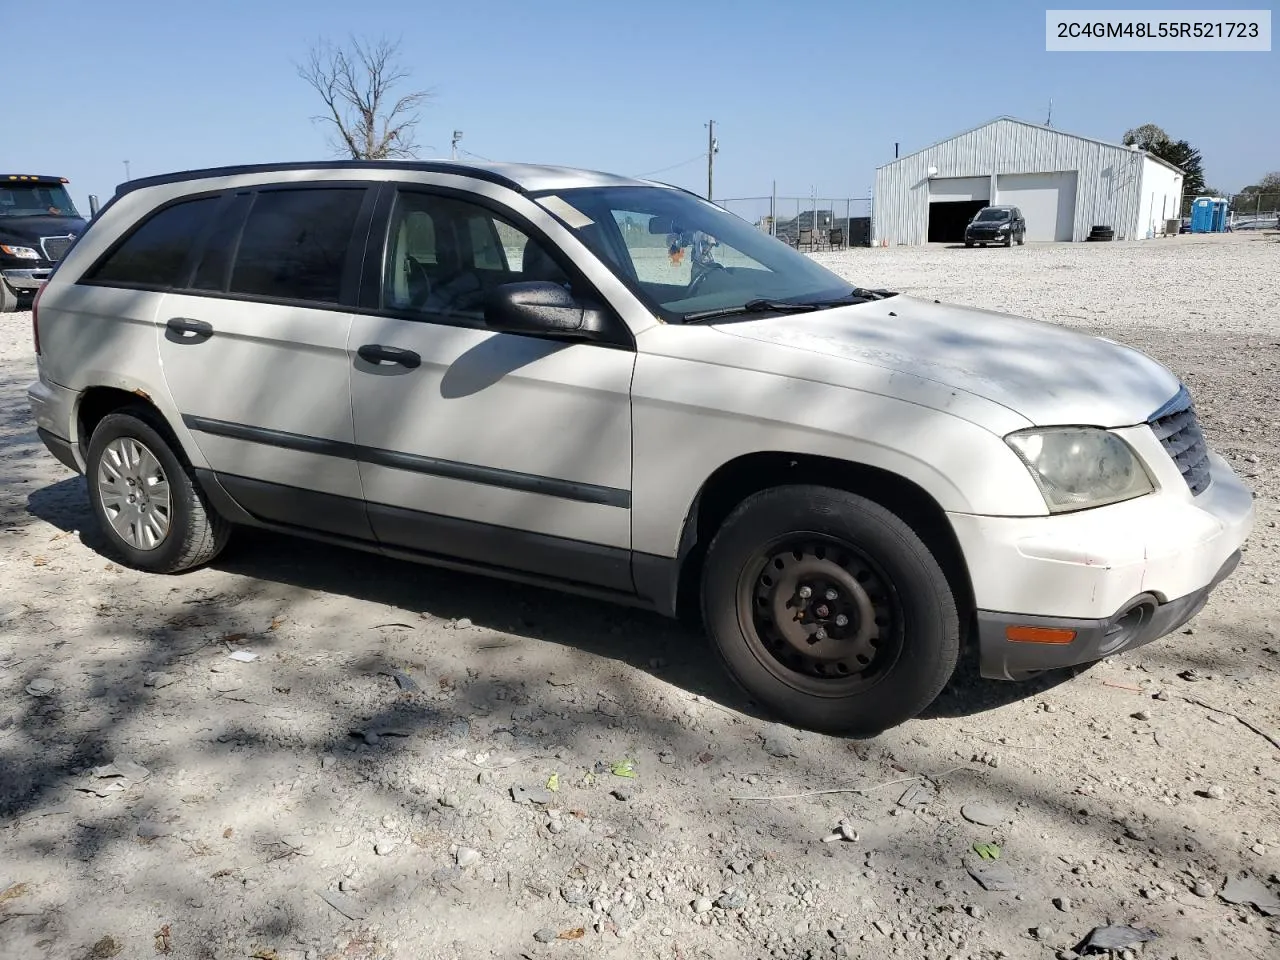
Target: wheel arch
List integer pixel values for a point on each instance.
(98, 402)
(739, 478)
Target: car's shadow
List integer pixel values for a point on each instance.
(667, 649)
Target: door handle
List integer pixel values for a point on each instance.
(377, 353)
(186, 325)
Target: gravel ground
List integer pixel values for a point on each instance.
(421, 764)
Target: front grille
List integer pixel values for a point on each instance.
(55, 247)
(1180, 435)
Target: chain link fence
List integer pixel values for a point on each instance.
(813, 222)
(1254, 211)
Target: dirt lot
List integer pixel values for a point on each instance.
(303, 804)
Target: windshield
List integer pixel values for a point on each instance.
(682, 255)
(36, 200)
(992, 213)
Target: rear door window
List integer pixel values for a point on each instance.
(219, 248)
(295, 244)
(154, 254)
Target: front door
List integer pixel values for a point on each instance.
(498, 449)
(254, 350)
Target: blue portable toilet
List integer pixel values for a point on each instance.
(1219, 215)
(1202, 215)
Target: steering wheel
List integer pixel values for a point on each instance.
(696, 282)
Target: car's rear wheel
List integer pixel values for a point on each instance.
(829, 610)
(144, 496)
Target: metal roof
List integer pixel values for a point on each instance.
(1038, 126)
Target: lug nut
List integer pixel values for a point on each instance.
(805, 593)
(831, 593)
(821, 610)
(820, 634)
(842, 621)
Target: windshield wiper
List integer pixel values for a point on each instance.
(764, 305)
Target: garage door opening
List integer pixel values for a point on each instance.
(947, 219)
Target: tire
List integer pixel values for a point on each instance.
(1009, 241)
(193, 534)
(8, 299)
(898, 645)
(1021, 239)
(983, 245)
(968, 243)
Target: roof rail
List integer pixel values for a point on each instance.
(426, 166)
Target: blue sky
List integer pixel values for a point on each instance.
(810, 94)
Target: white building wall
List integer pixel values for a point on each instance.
(1161, 198)
(1108, 177)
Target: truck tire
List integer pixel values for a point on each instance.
(8, 299)
(145, 498)
(829, 610)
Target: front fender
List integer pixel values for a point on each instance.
(690, 418)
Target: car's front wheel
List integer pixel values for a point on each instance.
(829, 610)
(8, 299)
(145, 497)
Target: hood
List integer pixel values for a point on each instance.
(1046, 373)
(33, 228)
(992, 224)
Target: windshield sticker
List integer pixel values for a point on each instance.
(566, 212)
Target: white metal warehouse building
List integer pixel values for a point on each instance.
(1064, 185)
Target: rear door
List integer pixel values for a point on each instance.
(254, 351)
(505, 450)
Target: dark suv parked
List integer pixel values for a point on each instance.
(38, 223)
(996, 225)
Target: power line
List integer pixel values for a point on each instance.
(682, 163)
(476, 155)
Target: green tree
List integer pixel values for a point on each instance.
(1180, 153)
(1145, 137)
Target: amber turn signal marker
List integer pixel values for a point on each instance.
(1038, 635)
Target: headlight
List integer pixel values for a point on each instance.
(1004, 227)
(22, 253)
(1080, 467)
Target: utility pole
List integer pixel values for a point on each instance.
(126, 170)
(1049, 121)
(712, 149)
(457, 135)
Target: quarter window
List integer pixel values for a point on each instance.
(154, 254)
(295, 242)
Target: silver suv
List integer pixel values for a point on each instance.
(614, 387)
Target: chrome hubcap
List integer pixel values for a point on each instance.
(134, 493)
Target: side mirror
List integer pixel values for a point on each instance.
(542, 308)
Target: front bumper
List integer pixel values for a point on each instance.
(1139, 622)
(986, 237)
(26, 280)
(1120, 575)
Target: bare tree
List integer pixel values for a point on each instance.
(369, 122)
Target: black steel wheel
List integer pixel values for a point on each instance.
(829, 610)
(822, 614)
